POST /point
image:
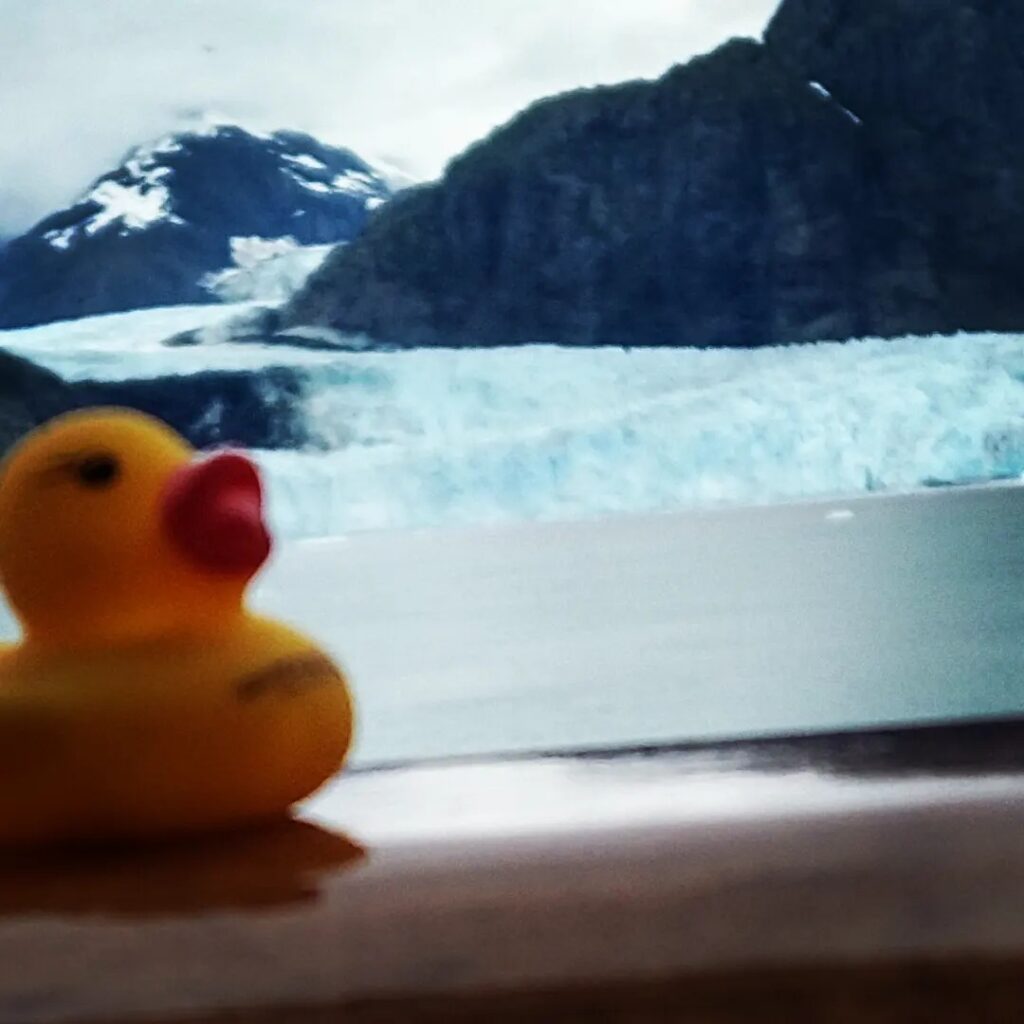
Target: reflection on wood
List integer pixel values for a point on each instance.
(281, 863)
(646, 887)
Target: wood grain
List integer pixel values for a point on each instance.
(877, 876)
(914, 993)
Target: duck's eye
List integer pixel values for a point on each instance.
(97, 470)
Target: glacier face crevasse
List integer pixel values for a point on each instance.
(453, 436)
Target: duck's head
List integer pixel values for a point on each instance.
(112, 527)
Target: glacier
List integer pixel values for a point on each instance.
(436, 437)
(265, 270)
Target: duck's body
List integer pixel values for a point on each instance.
(172, 734)
(164, 716)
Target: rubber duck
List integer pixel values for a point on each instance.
(144, 698)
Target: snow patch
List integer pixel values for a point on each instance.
(249, 250)
(61, 238)
(311, 186)
(163, 147)
(820, 90)
(355, 183)
(305, 160)
(136, 206)
(268, 270)
(133, 205)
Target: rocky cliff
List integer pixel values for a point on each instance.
(253, 408)
(29, 395)
(860, 171)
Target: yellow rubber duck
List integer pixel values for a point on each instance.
(144, 699)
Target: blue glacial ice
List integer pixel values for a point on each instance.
(436, 437)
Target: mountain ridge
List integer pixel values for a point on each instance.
(146, 233)
(821, 184)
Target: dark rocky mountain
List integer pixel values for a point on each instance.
(147, 233)
(861, 171)
(252, 408)
(29, 395)
(939, 85)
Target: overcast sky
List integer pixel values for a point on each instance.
(410, 81)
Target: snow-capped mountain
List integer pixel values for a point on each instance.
(148, 232)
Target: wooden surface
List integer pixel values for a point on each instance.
(871, 877)
(914, 993)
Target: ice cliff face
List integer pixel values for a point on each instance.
(370, 440)
(860, 172)
(147, 233)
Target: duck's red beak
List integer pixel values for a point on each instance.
(213, 512)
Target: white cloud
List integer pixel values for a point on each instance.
(409, 80)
